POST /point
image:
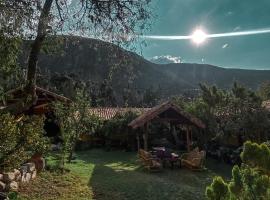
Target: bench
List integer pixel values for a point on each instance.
(151, 163)
(193, 160)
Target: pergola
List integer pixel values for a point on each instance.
(167, 112)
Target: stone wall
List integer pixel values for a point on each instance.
(11, 181)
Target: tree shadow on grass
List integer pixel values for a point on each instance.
(110, 184)
(119, 176)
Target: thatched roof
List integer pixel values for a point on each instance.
(107, 113)
(169, 112)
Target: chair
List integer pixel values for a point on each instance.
(193, 160)
(149, 162)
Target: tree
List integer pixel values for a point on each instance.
(10, 73)
(236, 112)
(75, 119)
(250, 181)
(113, 20)
(20, 139)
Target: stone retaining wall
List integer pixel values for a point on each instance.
(11, 181)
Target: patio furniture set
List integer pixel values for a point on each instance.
(160, 157)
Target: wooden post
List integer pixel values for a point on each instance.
(188, 141)
(145, 137)
(191, 138)
(174, 133)
(138, 141)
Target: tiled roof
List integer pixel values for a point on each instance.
(107, 113)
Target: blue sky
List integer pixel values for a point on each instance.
(182, 17)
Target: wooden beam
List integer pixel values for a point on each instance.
(145, 137)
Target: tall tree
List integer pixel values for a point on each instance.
(113, 20)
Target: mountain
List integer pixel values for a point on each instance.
(96, 60)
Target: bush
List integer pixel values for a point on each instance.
(20, 139)
(250, 181)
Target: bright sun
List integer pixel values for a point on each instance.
(198, 36)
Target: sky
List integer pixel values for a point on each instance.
(183, 17)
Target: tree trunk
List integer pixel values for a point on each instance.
(36, 47)
(70, 153)
(30, 97)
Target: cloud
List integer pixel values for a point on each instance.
(229, 13)
(237, 28)
(225, 46)
(166, 59)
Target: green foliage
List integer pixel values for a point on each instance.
(264, 90)
(20, 139)
(10, 73)
(250, 181)
(236, 112)
(218, 190)
(117, 128)
(75, 119)
(257, 156)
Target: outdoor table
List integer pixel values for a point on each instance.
(167, 156)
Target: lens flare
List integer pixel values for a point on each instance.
(200, 36)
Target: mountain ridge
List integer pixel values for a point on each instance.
(96, 60)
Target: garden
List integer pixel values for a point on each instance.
(98, 174)
(94, 144)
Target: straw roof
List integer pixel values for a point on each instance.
(163, 111)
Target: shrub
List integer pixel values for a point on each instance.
(250, 181)
(20, 139)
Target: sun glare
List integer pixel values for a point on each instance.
(198, 36)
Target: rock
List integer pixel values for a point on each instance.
(26, 178)
(13, 186)
(24, 169)
(2, 186)
(1, 177)
(30, 167)
(34, 174)
(8, 177)
(16, 172)
(18, 178)
(3, 196)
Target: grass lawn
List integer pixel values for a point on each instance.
(116, 175)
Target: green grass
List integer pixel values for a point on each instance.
(117, 175)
